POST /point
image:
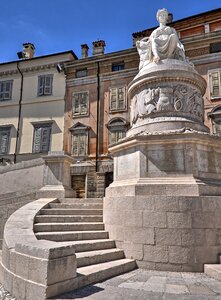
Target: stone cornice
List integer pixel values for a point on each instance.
(28, 69)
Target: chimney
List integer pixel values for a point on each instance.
(98, 47)
(170, 18)
(84, 51)
(28, 50)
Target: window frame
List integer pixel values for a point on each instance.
(44, 86)
(78, 130)
(117, 108)
(7, 130)
(3, 91)
(78, 73)
(211, 85)
(115, 126)
(80, 113)
(118, 66)
(42, 127)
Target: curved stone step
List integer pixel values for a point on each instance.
(81, 200)
(97, 257)
(69, 211)
(92, 245)
(61, 236)
(77, 205)
(46, 227)
(99, 272)
(67, 218)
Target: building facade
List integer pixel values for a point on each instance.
(32, 94)
(60, 103)
(97, 112)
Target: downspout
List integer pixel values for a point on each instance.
(98, 114)
(19, 114)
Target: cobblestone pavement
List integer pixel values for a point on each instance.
(147, 285)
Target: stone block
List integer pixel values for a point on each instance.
(144, 203)
(132, 218)
(170, 237)
(190, 203)
(211, 203)
(166, 203)
(154, 219)
(179, 220)
(193, 237)
(218, 219)
(133, 250)
(19, 287)
(206, 255)
(179, 255)
(142, 264)
(212, 238)
(139, 235)
(156, 253)
(203, 219)
(168, 267)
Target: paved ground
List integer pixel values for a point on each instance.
(147, 285)
(151, 285)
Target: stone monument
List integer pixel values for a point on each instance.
(164, 206)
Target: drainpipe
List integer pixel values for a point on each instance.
(19, 114)
(98, 115)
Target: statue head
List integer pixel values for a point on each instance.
(162, 15)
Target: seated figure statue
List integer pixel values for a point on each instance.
(163, 43)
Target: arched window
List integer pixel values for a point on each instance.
(79, 139)
(117, 128)
(215, 116)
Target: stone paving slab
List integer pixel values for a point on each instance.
(146, 285)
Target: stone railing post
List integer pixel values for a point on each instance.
(57, 176)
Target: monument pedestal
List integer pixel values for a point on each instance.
(164, 206)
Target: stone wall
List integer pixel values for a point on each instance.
(24, 176)
(19, 184)
(166, 232)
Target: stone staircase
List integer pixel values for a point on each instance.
(80, 222)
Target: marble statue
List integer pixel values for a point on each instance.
(163, 43)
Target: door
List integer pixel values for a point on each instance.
(78, 185)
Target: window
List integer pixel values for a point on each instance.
(4, 139)
(80, 139)
(45, 85)
(215, 84)
(81, 73)
(6, 90)
(117, 128)
(216, 47)
(42, 136)
(80, 103)
(117, 66)
(215, 115)
(118, 99)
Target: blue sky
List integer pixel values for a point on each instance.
(61, 25)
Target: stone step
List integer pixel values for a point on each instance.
(81, 200)
(97, 257)
(62, 236)
(43, 227)
(92, 245)
(69, 211)
(67, 219)
(77, 205)
(213, 270)
(96, 273)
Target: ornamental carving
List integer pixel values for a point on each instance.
(180, 98)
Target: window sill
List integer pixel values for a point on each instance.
(117, 110)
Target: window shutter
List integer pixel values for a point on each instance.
(1, 91)
(84, 103)
(4, 140)
(215, 84)
(45, 139)
(75, 145)
(113, 99)
(76, 104)
(48, 85)
(40, 85)
(37, 140)
(121, 98)
(7, 85)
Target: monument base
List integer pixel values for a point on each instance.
(164, 206)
